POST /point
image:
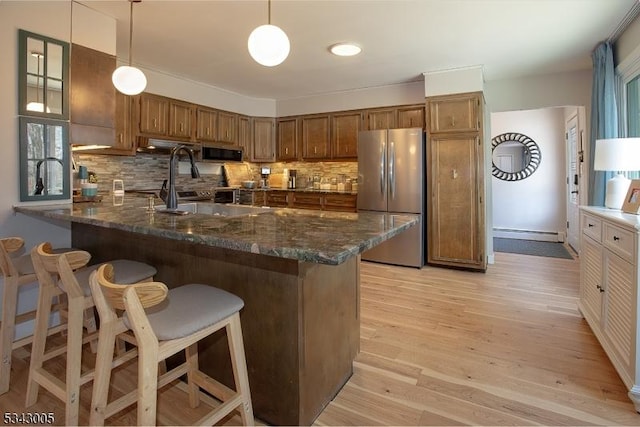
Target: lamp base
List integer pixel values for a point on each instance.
(617, 188)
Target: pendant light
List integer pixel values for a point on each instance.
(126, 78)
(268, 44)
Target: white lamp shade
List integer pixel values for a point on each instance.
(129, 80)
(268, 45)
(617, 154)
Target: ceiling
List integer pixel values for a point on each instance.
(206, 41)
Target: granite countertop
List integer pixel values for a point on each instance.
(306, 235)
(302, 190)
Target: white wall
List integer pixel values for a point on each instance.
(34, 17)
(536, 203)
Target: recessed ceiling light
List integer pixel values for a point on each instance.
(345, 49)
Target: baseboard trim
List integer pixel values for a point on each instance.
(543, 236)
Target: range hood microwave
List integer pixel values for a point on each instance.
(211, 153)
(214, 153)
(161, 146)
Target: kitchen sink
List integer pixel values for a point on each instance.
(208, 208)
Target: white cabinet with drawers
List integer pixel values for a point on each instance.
(609, 299)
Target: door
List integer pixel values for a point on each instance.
(573, 184)
(405, 170)
(372, 170)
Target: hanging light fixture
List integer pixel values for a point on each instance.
(268, 44)
(127, 79)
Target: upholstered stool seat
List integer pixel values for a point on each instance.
(165, 322)
(127, 272)
(188, 309)
(67, 275)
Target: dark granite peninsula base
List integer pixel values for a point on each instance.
(298, 273)
(300, 321)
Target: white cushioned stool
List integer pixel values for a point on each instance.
(63, 275)
(174, 320)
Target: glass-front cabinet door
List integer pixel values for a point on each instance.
(44, 118)
(44, 159)
(44, 65)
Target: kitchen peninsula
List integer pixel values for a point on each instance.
(296, 270)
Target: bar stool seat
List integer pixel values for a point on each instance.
(206, 305)
(127, 272)
(165, 322)
(66, 275)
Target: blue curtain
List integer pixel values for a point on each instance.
(604, 116)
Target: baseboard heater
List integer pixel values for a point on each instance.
(513, 233)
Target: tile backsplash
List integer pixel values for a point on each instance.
(147, 171)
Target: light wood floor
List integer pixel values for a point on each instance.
(448, 347)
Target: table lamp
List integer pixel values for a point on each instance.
(618, 155)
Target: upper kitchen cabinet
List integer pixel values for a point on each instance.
(454, 113)
(125, 143)
(411, 117)
(181, 120)
(287, 138)
(344, 134)
(92, 97)
(206, 124)
(43, 76)
(264, 142)
(384, 118)
(227, 125)
(316, 137)
(154, 115)
(245, 139)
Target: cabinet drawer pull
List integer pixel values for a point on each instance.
(600, 288)
(591, 225)
(616, 238)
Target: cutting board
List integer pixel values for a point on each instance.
(235, 173)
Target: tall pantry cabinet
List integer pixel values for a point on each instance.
(455, 181)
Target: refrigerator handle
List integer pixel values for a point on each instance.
(392, 174)
(383, 161)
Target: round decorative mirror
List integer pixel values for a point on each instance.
(515, 156)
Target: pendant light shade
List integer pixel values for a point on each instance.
(268, 44)
(129, 80)
(126, 78)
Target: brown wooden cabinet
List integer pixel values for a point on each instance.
(181, 120)
(245, 139)
(92, 97)
(344, 134)
(263, 145)
(384, 118)
(277, 199)
(287, 139)
(306, 200)
(455, 184)
(154, 115)
(227, 125)
(316, 137)
(339, 202)
(206, 124)
(411, 117)
(455, 113)
(125, 139)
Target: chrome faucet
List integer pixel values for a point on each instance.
(172, 196)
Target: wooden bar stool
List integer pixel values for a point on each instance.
(16, 271)
(175, 320)
(63, 274)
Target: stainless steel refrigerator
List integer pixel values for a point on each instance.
(391, 178)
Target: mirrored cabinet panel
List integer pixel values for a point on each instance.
(44, 64)
(44, 159)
